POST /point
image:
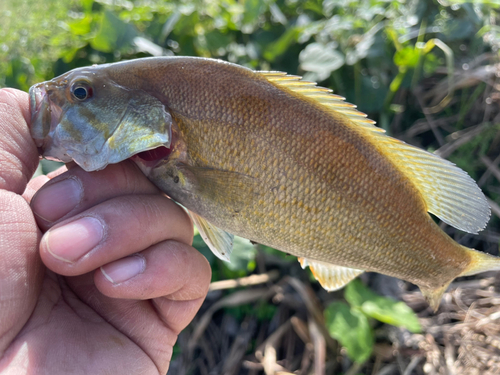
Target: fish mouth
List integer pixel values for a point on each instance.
(154, 155)
(149, 159)
(45, 117)
(40, 109)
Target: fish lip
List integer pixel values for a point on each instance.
(45, 116)
(40, 108)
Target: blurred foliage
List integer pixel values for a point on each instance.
(373, 52)
(350, 323)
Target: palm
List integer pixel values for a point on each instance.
(73, 326)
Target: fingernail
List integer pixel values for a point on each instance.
(124, 269)
(56, 200)
(72, 241)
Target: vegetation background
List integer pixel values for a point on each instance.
(427, 71)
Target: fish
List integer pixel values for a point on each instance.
(272, 158)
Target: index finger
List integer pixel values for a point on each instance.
(75, 191)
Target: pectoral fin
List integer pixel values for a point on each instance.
(330, 276)
(218, 240)
(234, 189)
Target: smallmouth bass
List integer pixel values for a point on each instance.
(271, 158)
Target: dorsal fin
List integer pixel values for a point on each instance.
(449, 192)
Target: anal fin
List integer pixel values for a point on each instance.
(218, 240)
(434, 296)
(330, 276)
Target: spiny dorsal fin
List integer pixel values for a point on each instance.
(322, 95)
(330, 276)
(449, 192)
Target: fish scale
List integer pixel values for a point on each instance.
(310, 235)
(307, 234)
(275, 159)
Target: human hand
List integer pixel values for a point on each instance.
(82, 310)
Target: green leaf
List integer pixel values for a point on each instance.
(280, 46)
(253, 10)
(407, 57)
(49, 165)
(87, 5)
(81, 26)
(356, 293)
(381, 308)
(216, 40)
(113, 34)
(320, 59)
(242, 256)
(352, 329)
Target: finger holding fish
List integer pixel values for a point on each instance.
(145, 251)
(185, 274)
(74, 191)
(112, 230)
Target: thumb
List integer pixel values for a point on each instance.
(18, 153)
(20, 265)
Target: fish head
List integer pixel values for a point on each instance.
(86, 116)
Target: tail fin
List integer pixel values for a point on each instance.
(481, 262)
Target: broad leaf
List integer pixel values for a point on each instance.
(113, 34)
(320, 59)
(381, 308)
(352, 329)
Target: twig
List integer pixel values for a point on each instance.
(235, 299)
(300, 329)
(266, 353)
(244, 281)
(313, 308)
(461, 138)
(239, 348)
(430, 120)
(492, 166)
(319, 348)
(449, 356)
(495, 208)
(413, 363)
(388, 369)
(354, 369)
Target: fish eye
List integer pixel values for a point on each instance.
(81, 91)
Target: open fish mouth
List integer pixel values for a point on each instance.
(154, 155)
(148, 159)
(45, 116)
(40, 113)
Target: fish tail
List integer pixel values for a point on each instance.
(479, 262)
